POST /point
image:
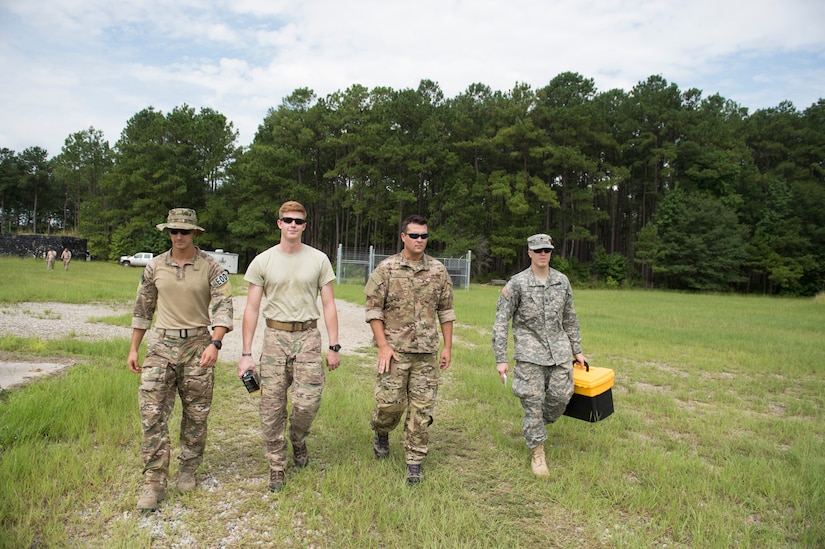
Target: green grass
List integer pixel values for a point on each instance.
(718, 440)
(85, 282)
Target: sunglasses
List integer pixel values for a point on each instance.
(180, 231)
(296, 220)
(416, 236)
(543, 251)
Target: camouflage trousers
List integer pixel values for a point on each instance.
(410, 386)
(544, 392)
(291, 367)
(171, 366)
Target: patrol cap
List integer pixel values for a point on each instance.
(539, 242)
(181, 218)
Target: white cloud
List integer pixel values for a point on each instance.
(71, 64)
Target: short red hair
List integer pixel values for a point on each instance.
(291, 206)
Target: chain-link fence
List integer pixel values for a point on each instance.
(355, 266)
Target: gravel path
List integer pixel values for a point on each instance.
(56, 320)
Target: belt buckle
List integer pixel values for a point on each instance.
(183, 333)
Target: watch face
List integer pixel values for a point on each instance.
(335, 347)
(217, 344)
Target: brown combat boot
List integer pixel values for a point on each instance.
(186, 480)
(300, 454)
(276, 480)
(151, 495)
(381, 445)
(538, 463)
(414, 473)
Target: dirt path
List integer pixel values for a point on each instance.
(56, 320)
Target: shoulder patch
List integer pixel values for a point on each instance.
(221, 280)
(505, 291)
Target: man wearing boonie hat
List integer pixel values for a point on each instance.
(546, 334)
(190, 291)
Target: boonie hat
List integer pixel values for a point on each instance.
(539, 242)
(181, 218)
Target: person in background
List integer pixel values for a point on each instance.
(546, 335)
(51, 255)
(407, 296)
(290, 275)
(66, 256)
(190, 291)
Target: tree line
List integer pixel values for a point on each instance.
(652, 187)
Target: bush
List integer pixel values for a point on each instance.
(610, 267)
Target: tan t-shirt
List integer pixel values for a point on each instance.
(185, 297)
(291, 282)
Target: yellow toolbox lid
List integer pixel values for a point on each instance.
(593, 382)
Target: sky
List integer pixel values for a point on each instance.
(68, 65)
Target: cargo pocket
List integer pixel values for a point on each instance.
(198, 384)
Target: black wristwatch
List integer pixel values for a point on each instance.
(217, 343)
(336, 347)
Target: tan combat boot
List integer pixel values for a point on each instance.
(300, 454)
(186, 480)
(276, 480)
(151, 495)
(538, 463)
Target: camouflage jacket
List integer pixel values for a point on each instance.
(545, 325)
(411, 298)
(195, 295)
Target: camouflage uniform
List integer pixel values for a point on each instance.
(291, 365)
(546, 336)
(173, 354)
(411, 299)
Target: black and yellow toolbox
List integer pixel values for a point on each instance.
(592, 393)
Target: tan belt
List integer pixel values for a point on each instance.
(183, 334)
(291, 326)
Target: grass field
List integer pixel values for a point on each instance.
(718, 439)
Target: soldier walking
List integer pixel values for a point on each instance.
(190, 291)
(51, 255)
(290, 275)
(66, 257)
(407, 296)
(546, 334)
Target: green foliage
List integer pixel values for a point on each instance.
(648, 247)
(594, 169)
(778, 249)
(578, 273)
(702, 243)
(610, 267)
(162, 162)
(155, 241)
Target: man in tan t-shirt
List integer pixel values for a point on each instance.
(290, 275)
(66, 257)
(190, 291)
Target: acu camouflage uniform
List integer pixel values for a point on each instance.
(173, 354)
(546, 336)
(411, 298)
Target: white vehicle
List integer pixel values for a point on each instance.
(138, 260)
(227, 260)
